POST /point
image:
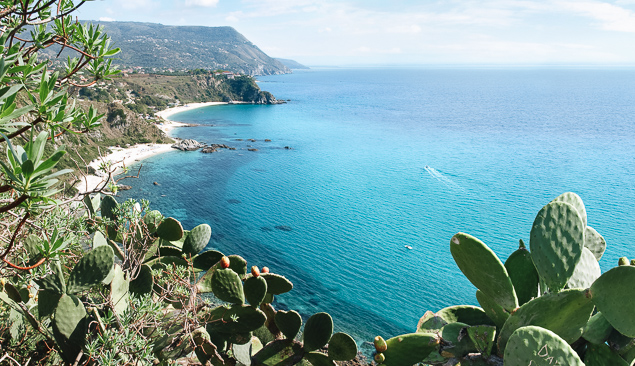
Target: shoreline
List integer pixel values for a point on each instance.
(126, 156)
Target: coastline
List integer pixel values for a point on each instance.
(120, 157)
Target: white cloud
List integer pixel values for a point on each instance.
(609, 16)
(106, 19)
(203, 3)
(135, 4)
(232, 18)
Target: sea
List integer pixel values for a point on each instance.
(362, 177)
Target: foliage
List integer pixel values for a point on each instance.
(547, 305)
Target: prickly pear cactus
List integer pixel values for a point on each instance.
(471, 256)
(289, 323)
(342, 347)
(197, 239)
(92, 269)
(227, 286)
(170, 229)
(556, 241)
(317, 331)
(523, 273)
(609, 294)
(409, 349)
(538, 346)
(255, 290)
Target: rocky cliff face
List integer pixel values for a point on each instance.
(159, 46)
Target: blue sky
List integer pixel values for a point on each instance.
(410, 32)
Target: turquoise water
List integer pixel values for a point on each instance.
(384, 158)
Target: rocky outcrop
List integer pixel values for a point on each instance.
(188, 145)
(214, 148)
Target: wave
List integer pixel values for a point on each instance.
(442, 178)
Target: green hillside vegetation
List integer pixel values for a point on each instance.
(161, 47)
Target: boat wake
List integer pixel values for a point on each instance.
(442, 178)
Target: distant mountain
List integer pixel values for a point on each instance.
(189, 47)
(292, 64)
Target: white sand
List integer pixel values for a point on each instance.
(120, 157)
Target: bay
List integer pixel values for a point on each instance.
(380, 159)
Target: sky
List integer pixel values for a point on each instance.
(407, 32)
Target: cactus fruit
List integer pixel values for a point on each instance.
(119, 291)
(276, 284)
(564, 313)
(523, 273)
(492, 309)
(379, 357)
(318, 359)
(557, 238)
(170, 229)
(144, 282)
(468, 314)
(586, 272)
(602, 355)
(255, 289)
(594, 242)
(255, 271)
(197, 239)
(380, 344)
(288, 322)
(623, 261)
(342, 347)
(227, 286)
(224, 262)
(317, 331)
(471, 256)
(538, 346)
(409, 349)
(265, 270)
(91, 270)
(609, 292)
(597, 330)
(279, 353)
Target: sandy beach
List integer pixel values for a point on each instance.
(120, 157)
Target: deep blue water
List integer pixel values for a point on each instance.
(384, 158)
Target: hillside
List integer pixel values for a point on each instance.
(292, 64)
(150, 45)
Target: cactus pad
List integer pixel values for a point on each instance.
(602, 355)
(227, 286)
(152, 220)
(91, 270)
(255, 290)
(594, 242)
(483, 337)
(279, 353)
(430, 323)
(318, 359)
(238, 264)
(574, 200)
(99, 239)
(236, 319)
(409, 349)
(564, 313)
(460, 344)
(170, 229)
(598, 329)
(586, 272)
(523, 273)
(492, 309)
(557, 238)
(70, 316)
(288, 322)
(277, 284)
(144, 282)
(205, 260)
(342, 347)
(611, 294)
(47, 302)
(197, 239)
(472, 256)
(468, 314)
(317, 331)
(538, 346)
(108, 207)
(119, 291)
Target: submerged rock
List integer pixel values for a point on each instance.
(214, 148)
(283, 228)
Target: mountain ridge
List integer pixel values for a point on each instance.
(153, 45)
